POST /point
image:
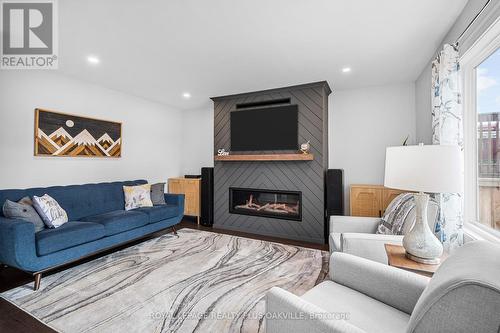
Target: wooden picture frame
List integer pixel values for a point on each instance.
(67, 135)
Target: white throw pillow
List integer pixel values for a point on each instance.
(137, 196)
(49, 210)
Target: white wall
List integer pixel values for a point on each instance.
(362, 123)
(423, 82)
(151, 132)
(197, 140)
(423, 107)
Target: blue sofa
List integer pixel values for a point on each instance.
(97, 221)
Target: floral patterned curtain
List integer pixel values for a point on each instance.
(447, 129)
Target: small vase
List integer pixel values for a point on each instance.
(420, 243)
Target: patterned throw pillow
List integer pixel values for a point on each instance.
(137, 196)
(23, 210)
(395, 216)
(158, 194)
(49, 210)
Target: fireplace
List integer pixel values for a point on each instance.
(267, 203)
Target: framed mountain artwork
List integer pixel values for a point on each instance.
(61, 134)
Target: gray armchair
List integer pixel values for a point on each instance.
(357, 235)
(366, 296)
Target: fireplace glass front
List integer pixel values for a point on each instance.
(267, 203)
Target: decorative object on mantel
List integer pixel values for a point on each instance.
(60, 134)
(305, 147)
(222, 152)
(266, 157)
(433, 169)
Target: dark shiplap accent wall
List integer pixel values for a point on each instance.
(304, 176)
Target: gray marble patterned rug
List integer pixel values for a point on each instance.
(196, 281)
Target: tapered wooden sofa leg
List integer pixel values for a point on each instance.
(38, 279)
(173, 229)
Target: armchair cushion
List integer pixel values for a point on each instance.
(369, 246)
(392, 286)
(288, 313)
(361, 311)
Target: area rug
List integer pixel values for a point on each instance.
(195, 281)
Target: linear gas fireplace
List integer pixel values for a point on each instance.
(267, 203)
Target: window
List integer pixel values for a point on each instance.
(481, 81)
(488, 146)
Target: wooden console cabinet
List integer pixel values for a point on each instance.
(191, 188)
(371, 200)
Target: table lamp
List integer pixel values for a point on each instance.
(423, 169)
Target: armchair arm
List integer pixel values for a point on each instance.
(288, 313)
(17, 243)
(369, 246)
(393, 286)
(360, 224)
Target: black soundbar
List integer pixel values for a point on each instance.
(263, 103)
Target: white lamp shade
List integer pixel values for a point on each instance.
(432, 168)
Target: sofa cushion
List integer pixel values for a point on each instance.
(364, 312)
(67, 235)
(119, 220)
(158, 213)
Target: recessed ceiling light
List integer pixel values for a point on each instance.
(346, 69)
(186, 95)
(93, 60)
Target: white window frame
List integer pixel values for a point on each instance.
(486, 45)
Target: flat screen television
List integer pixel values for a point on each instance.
(271, 128)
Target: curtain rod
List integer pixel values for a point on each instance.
(471, 23)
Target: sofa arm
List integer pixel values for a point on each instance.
(359, 224)
(369, 246)
(393, 286)
(176, 200)
(17, 243)
(288, 313)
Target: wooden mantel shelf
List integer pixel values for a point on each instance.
(266, 157)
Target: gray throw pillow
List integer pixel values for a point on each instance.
(23, 210)
(395, 216)
(158, 194)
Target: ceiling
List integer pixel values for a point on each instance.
(159, 49)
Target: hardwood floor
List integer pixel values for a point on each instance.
(13, 319)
